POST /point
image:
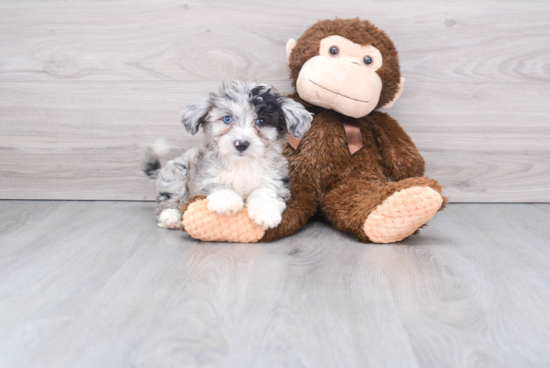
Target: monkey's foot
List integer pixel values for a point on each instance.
(204, 225)
(401, 214)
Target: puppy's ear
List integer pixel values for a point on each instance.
(298, 119)
(195, 115)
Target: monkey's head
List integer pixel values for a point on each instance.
(347, 65)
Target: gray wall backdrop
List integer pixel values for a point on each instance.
(85, 86)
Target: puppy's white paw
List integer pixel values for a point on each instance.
(267, 215)
(225, 202)
(169, 219)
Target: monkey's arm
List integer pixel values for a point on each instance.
(400, 156)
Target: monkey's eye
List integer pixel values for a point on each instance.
(260, 121)
(333, 50)
(227, 119)
(367, 60)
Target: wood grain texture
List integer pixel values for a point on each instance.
(98, 284)
(85, 86)
(213, 40)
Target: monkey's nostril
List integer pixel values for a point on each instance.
(241, 145)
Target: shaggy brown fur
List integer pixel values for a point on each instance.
(323, 175)
(348, 188)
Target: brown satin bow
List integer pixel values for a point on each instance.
(353, 135)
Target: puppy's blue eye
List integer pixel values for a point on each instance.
(260, 121)
(227, 119)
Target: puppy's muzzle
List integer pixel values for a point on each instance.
(241, 145)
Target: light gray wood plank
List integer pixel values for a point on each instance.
(84, 140)
(192, 310)
(484, 256)
(543, 207)
(195, 40)
(87, 284)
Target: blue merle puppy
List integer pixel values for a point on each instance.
(241, 160)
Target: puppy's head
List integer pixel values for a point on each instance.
(246, 119)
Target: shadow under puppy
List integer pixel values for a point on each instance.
(241, 160)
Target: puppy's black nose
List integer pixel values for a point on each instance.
(241, 145)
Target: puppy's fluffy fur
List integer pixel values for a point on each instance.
(240, 162)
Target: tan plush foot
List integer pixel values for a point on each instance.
(209, 226)
(401, 214)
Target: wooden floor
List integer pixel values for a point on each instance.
(98, 284)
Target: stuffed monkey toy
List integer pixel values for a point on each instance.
(355, 165)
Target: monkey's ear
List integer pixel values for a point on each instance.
(397, 94)
(193, 116)
(297, 118)
(290, 45)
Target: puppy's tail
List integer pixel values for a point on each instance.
(150, 163)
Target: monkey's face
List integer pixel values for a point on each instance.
(342, 77)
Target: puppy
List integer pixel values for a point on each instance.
(241, 160)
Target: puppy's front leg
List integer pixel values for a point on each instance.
(224, 201)
(265, 207)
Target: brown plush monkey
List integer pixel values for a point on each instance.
(356, 165)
